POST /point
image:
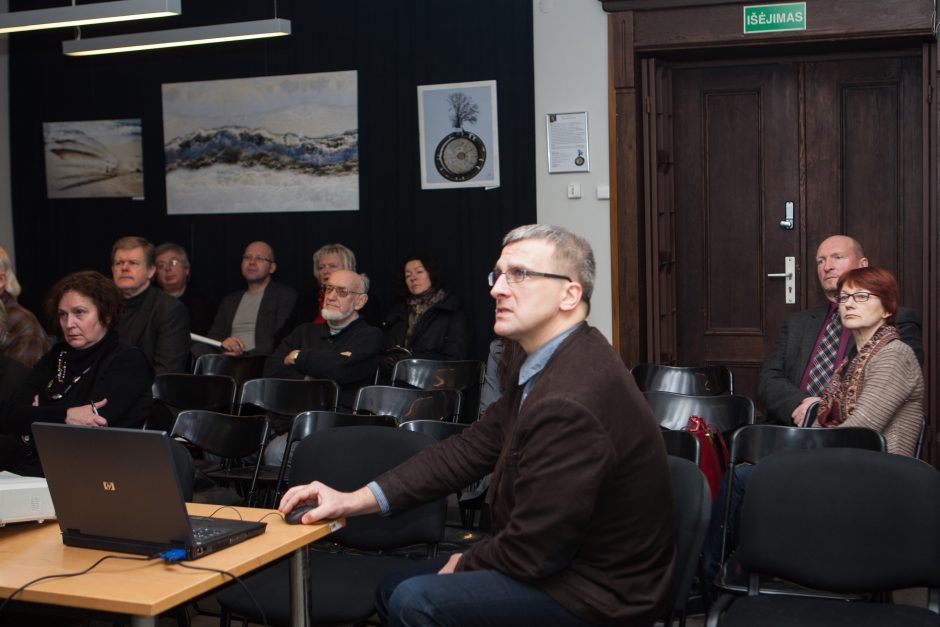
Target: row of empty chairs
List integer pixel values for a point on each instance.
(465, 376)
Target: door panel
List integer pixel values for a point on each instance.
(839, 139)
(863, 136)
(735, 169)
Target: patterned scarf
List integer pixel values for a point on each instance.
(419, 304)
(843, 390)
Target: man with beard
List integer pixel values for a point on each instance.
(344, 348)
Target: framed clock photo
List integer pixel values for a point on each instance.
(459, 141)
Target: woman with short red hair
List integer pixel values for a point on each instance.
(881, 386)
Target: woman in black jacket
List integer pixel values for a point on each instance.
(91, 378)
(428, 323)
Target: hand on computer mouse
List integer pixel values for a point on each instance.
(293, 517)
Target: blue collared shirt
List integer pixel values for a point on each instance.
(528, 374)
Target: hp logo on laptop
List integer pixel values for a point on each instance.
(109, 486)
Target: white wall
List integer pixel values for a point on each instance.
(6, 206)
(571, 75)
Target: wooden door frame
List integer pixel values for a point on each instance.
(681, 28)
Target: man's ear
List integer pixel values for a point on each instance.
(361, 300)
(572, 297)
(863, 262)
(152, 270)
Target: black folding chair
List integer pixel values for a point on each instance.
(230, 437)
(690, 380)
(177, 392)
(343, 584)
(856, 522)
(431, 374)
(408, 404)
(239, 368)
(310, 422)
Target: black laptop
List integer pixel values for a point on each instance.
(118, 490)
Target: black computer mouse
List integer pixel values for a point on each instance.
(293, 517)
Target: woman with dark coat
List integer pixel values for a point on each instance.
(428, 323)
(90, 378)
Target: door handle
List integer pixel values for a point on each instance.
(789, 276)
(787, 222)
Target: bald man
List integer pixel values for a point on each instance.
(249, 320)
(796, 372)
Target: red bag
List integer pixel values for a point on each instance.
(713, 458)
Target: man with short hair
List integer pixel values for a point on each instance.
(26, 341)
(812, 342)
(248, 321)
(345, 348)
(583, 528)
(154, 322)
(173, 278)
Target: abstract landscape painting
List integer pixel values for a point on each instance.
(268, 144)
(94, 159)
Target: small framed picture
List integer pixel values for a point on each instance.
(459, 140)
(567, 141)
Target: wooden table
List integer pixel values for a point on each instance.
(140, 589)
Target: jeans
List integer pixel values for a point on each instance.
(711, 551)
(477, 598)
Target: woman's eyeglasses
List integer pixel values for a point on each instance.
(858, 297)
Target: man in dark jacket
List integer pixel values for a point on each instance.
(344, 348)
(249, 320)
(583, 528)
(155, 323)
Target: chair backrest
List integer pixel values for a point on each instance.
(844, 520)
(350, 457)
(239, 368)
(225, 435)
(309, 422)
(690, 380)
(693, 505)
(437, 429)
(431, 374)
(726, 413)
(408, 404)
(289, 397)
(177, 392)
(753, 443)
(682, 444)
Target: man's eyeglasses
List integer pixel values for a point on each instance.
(172, 263)
(518, 275)
(342, 292)
(259, 258)
(858, 297)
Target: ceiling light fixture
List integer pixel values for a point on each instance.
(83, 14)
(216, 33)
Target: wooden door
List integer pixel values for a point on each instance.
(841, 140)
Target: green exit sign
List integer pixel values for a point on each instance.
(775, 17)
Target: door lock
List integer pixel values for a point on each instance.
(789, 276)
(787, 222)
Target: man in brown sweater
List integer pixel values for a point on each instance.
(581, 505)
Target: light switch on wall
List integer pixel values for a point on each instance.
(574, 190)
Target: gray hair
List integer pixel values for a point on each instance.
(347, 256)
(13, 287)
(574, 252)
(365, 282)
(170, 247)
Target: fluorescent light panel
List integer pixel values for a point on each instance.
(177, 37)
(82, 14)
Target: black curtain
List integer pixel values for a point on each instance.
(394, 46)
